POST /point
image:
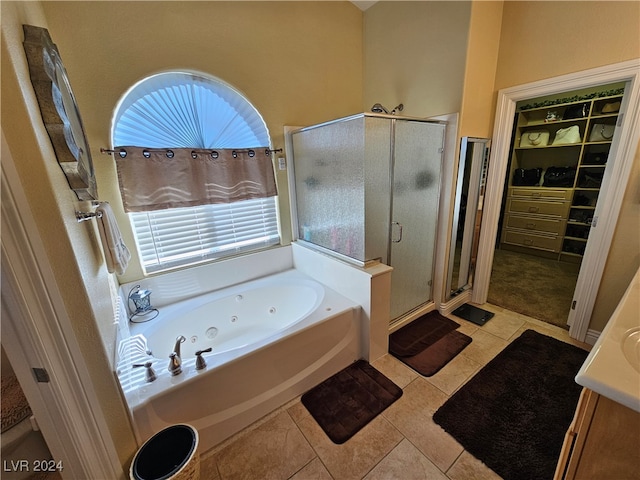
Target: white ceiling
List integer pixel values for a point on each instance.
(363, 5)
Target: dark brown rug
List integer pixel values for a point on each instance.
(513, 414)
(344, 403)
(14, 404)
(428, 343)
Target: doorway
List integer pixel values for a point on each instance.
(623, 150)
(22, 444)
(558, 156)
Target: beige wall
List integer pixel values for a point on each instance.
(547, 39)
(624, 256)
(537, 43)
(72, 249)
(414, 53)
(299, 63)
(479, 99)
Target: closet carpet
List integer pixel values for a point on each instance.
(538, 287)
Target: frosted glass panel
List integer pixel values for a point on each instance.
(416, 191)
(329, 180)
(377, 187)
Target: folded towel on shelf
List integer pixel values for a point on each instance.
(116, 253)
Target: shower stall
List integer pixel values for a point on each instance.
(366, 187)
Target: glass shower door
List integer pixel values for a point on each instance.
(417, 166)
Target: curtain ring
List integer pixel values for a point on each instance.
(267, 152)
(235, 154)
(146, 154)
(194, 155)
(123, 152)
(170, 153)
(214, 154)
(252, 153)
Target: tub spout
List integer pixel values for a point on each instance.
(175, 364)
(176, 349)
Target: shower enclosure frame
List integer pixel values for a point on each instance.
(393, 229)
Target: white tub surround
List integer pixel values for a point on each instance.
(368, 286)
(273, 338)
(177, 285)
(612, 368)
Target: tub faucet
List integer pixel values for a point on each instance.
(175, 364)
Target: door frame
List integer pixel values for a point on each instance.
(614, 183)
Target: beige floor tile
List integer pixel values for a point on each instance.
(467, 467)
(467, 328)
(484, 347)
(493, 308)
(395, 370)
(275, 450)
(405, 462)
(354, 458)
(208, 467)
(314, 470)
(503, 325)
(298, 411)
(454, 374)
(412, 415)
(551, 331)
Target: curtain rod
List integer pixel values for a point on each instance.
(194, 151)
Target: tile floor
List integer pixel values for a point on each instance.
(402, 443)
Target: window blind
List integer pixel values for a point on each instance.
(178, 236)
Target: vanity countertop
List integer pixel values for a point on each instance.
(612, 368)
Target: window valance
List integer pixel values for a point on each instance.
(156, 179)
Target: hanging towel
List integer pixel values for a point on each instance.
(116, 253)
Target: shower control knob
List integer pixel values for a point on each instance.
(150, 373)
(200, 362)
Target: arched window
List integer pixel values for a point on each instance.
(183, 109)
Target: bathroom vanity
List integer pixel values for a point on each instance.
(603, 441)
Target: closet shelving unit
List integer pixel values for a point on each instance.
(554, 222)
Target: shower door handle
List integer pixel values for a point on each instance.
(396, 227)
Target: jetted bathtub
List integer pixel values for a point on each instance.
(272, 339)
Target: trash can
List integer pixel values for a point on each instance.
(171, 454)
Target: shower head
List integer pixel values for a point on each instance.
(377, 108)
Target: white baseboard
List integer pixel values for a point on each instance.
(592, 336)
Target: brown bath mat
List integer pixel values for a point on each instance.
(420, 334)
(437, 338)
(344, 403)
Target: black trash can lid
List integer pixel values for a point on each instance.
(164, 454)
